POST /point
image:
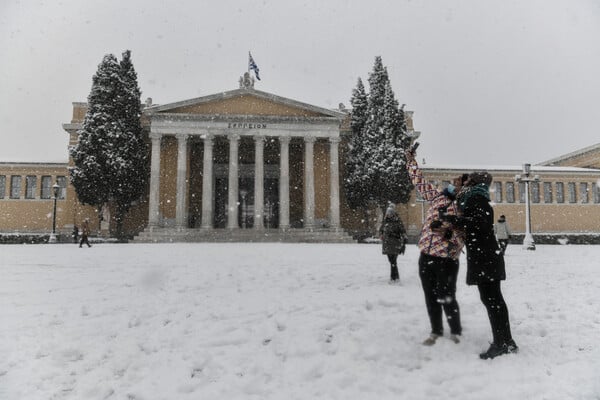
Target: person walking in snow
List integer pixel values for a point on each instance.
(393, 240)
(85, 232)
(502, 231)
(440, 246)
(485, 263)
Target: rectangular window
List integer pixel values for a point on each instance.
(30, 186)
(2, 186)
(46, 191)
(510, 192)
(596, 192)
(418, 196)
(15, 187)
(583, 192)
(560, 192)
(521, 192)
(547, 192)
(62, 184)
(572, 192)
(535, 192)
(497, 192)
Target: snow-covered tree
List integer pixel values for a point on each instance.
(111, 155)
(355, 187)
(131, 171)
(378, 145)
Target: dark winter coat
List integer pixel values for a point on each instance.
(485, 263)
(393, 235)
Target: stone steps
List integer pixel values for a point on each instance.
(172, 235)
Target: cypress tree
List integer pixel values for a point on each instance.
(111, 155)
(384, 142)
(131, 151)
(355, 188)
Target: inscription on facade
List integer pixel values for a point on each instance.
(240, 125)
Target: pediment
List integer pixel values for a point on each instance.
(245, 102)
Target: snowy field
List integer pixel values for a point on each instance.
(283, 321)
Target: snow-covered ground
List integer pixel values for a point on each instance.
(283, 321)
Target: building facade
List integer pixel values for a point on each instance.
(250, 165)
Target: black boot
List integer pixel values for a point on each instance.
(394, 275)
(496, 350)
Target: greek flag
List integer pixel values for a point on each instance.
(252, 66)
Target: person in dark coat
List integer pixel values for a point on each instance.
(393, 240)
(485, 263)
(75, 234)
(85, 232)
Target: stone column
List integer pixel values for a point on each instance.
(259, 181)
(180, 211)
(232, 204)
(207, 183)
(334, 191)
(284, 182)
(154, 198)
(309, 182)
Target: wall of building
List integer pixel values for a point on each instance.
(546, 217)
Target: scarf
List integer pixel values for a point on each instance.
(480, 189)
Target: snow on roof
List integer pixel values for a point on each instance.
(572, 154)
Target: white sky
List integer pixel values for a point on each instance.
(491, 82)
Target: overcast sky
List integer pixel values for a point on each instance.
(491, 82)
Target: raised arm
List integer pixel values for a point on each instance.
(426, 189)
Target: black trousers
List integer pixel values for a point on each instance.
(84, 239)
(438, 278)
(492, 299)
(394, 274)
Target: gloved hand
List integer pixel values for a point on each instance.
(453, 219)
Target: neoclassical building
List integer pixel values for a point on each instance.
(247, 165)
(243, 160)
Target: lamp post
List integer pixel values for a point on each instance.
(55, 189)
(526, 178)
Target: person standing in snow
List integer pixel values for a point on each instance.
(485, 263)
(393, 240)
(440, 246)
(502, 231)
(85, 231)
(75, 234)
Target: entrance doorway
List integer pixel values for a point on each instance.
(246, 198)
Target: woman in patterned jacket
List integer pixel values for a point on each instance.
(440, 246)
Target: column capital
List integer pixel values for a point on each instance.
(310, 139)
(259, 138)
(335, 140)
(284, 139)
(182, 136)
(207, 137)
(155, 136)
(234, 137)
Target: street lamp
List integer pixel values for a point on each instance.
(55, 189)
(528, 242)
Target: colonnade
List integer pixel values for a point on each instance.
(154, 219)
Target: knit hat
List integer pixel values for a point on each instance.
(478, 177)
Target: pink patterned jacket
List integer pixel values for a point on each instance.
(446, 241)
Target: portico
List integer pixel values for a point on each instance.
(245, 159)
